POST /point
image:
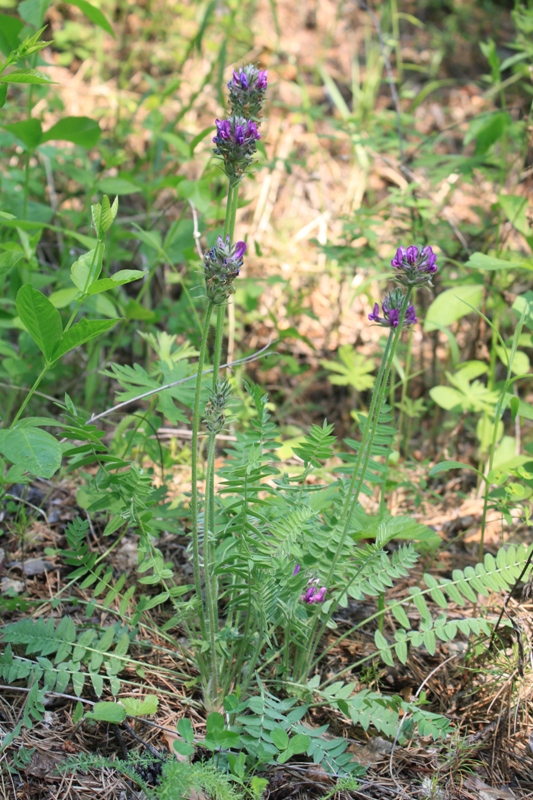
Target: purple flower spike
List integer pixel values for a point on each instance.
(414, 265)
(296, 570)
(391, 307)
(236, 144)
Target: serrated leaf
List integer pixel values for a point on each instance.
(80, 333)
(85, 270)
(97, 681)
(33, 11)
(103, 215)
(137, 707)
(40, 318)
(29, 131)
(490, 263)
(449, 306)
(32, 449)
(82, 131)
(183, 748)
(10, 259)
(27, 76)
(94, 14)
(186, 730)
(299, 744)
(445, 466)
(120, 278)
(280, 738)
(107, 712)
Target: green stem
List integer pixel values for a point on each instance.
(360, 468)
(229, 230)
(194, 465)
(211, 582)
(26, 184)
(405, 385)
(30, 394)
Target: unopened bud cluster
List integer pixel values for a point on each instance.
(391, 307)
(247, 89)
(222, 264)
(215, 410)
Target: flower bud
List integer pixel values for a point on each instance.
(247, 89)
(222, 264)
(392, 306)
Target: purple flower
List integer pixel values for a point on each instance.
(410, 316)
(296, 570)
(391, 307)
(236, 143)
(414, 265)
(313, 594)
(262, 79)
(318, 596)
(374, 316)
(223, 128)
(251, 130)
(240, 250)
(393, 316)
(247, 89)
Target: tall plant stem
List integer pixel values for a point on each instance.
(405, 385)
(194, 466)
(229, 230)
(30, 394)
(211, 582)
(210, 579)
(359, 473)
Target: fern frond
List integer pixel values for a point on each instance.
(385, 434)
(317, 446)
(493, 575)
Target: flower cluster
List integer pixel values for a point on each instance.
(222, 264)
(414, 266)
(215, 410)
(312, 594)
(391, 307)
(235, 141)
(247, 89)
